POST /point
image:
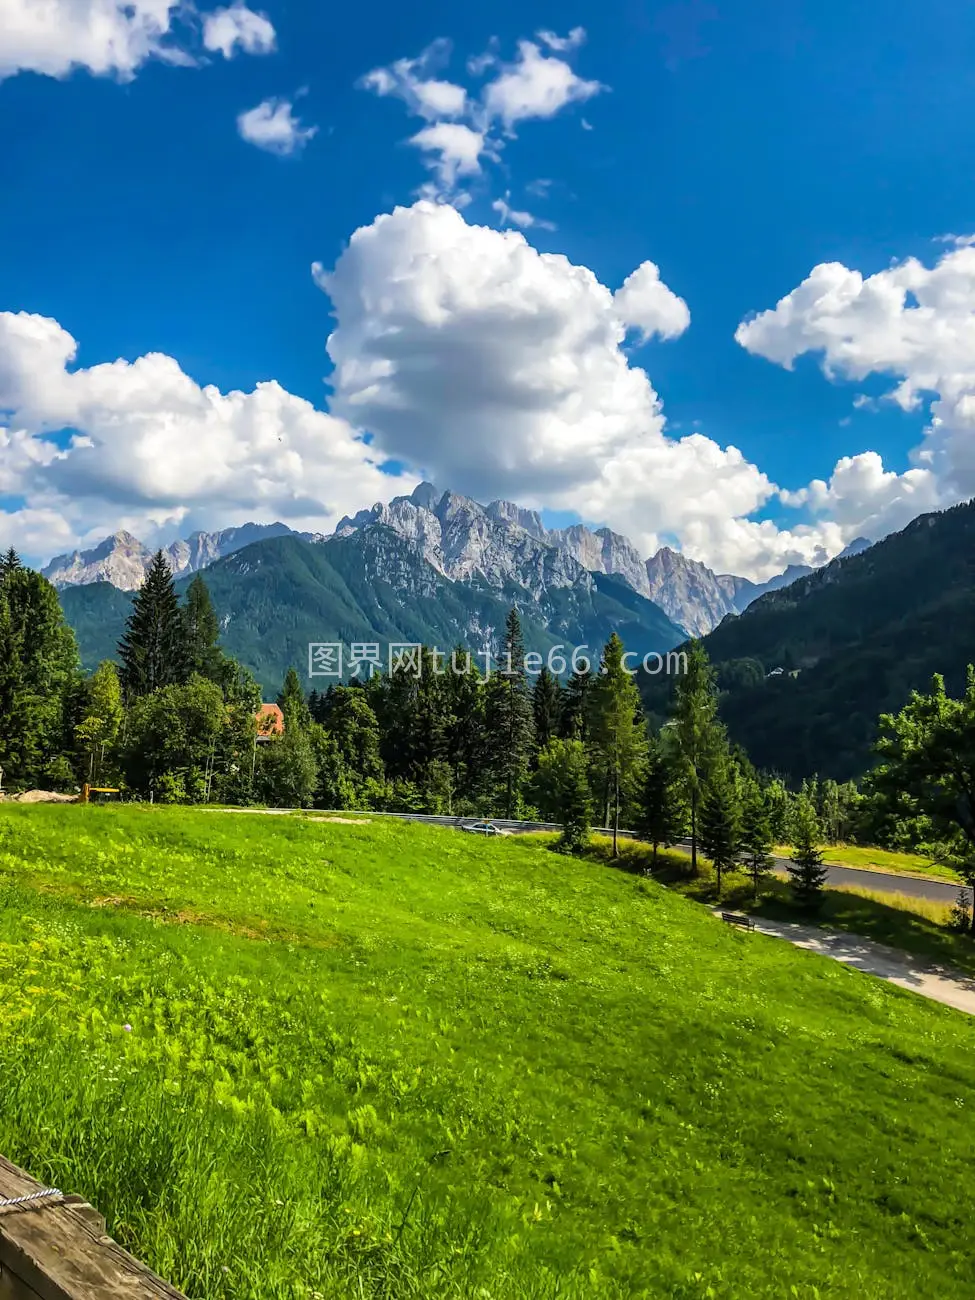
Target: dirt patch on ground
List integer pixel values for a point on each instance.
(349, 821)
(40, 796)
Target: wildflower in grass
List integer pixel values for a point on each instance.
(127, 1029)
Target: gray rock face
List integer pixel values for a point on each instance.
(502, 546)
(120, 559)
(689, 593)
(606, 552)
(123, 560)
(468, 542)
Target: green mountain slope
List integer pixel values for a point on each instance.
(432, 1066)
(279, 595)
(862, 633)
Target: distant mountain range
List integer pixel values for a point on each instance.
(122, 559)
(501, 547)
(845, 644)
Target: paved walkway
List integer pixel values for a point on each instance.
(939, 983)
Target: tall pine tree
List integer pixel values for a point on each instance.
(618, 730)
(756, 837)
(292, 703)
(720, 820)
(697, 734)
(201, 630)
(662, 813)
(153, 646)
(807, 875)
(546, 707)
(508, 718)
(574, 713)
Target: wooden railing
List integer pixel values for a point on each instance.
(54, 1247)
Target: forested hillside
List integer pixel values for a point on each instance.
(859, 635)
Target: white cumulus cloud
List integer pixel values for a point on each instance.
(452, 150)
(152, 448)
(913, 323)
(105, 37)
(411, 81)
(273, 126)
(226, 29)
(501, 371)
(464, 128)
(116, 37)
(646, 304)
(562, 44)
(535, 85)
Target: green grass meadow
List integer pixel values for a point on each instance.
(293, 1058)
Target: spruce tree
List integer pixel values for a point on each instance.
(618, 732)
(807, 875)
(546, 702)
(292, 703)
(201, 630)
(11, 693)
(696, 731)
(153, 646)
(508, 716)
(9, 562)
(662, 812)
(720, 821)
(756, 838)
(574, 716)
(467, 744)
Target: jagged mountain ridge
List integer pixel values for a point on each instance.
(277, 596)
(122, 560)
(492, 545)
(502, 541)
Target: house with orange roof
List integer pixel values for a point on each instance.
(270, 722)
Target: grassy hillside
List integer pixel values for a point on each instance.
(295, 1058)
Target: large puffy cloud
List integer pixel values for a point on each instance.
(501, 371)
(115, 37)
(151, 448)
(105, 36)
(913, 323)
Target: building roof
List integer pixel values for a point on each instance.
(270, 720)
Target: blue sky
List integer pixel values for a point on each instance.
(735, 146)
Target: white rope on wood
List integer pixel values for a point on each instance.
(30, 1197)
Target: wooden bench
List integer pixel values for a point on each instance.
(734, 918)
(54, 1247)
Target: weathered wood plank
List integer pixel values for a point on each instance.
(57, 1249)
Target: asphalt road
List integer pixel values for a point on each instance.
(883, 882)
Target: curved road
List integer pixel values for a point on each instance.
(884, 882)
